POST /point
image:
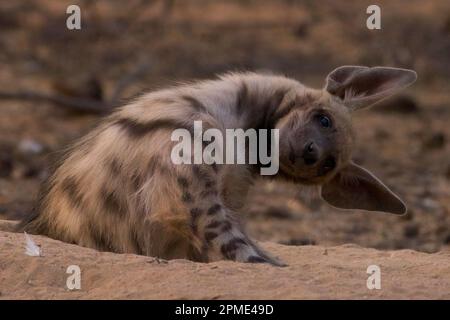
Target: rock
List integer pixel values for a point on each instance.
(435, 141)
(447, 172)
(6, 165)
(411, 230)
(86, 87)
(302, 29)
(447, 239)
(446, 25)
(299, 242)
(32, 171)
(30, 147)
(382, 134)
(430, 204)
(278, 212)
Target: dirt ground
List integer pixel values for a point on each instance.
(404, 141)
(313, 272)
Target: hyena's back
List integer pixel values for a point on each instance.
(115, 191)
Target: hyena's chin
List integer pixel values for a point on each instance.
(309, 179)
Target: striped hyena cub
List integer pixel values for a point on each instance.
(119, 190)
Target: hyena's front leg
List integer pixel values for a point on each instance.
(213, 224)
(225, 238)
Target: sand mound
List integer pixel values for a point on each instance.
(313, 272)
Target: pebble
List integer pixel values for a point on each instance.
(29, 146)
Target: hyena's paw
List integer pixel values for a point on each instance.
(241, 249)
(272, 261)
(262, 257)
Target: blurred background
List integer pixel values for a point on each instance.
(55, 85)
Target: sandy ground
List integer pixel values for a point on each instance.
(313, 272)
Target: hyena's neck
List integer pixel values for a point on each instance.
(234, 101)
(244, 101)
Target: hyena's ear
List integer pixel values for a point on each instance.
(360, 87)
(356, 188)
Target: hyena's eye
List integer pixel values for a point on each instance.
(324, 120)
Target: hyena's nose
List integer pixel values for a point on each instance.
(310, 154)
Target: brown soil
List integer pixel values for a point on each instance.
(313, 272)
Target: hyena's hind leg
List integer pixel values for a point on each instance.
(213, 224)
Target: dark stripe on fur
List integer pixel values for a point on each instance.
(209, 236)
(271, 108)
(197, 105)
(214, 224)
(70, 187)
(186, 197)
(101, 240)
(113, 202)
(203, 173)
(209, 193)
(231, 247)
(183, 182)
(210, 184)
(115, 167)
(139, 129)
(283, 110)
(214, 209)
(288, 106)
(242, 99)
(195, 214)
(256, 259)
(226, 226)
(261, 114)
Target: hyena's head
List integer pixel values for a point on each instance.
(316, 136)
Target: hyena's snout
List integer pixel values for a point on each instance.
(315, 155)
(311, 153)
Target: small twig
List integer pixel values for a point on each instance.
(74, 103)
(78, 103)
